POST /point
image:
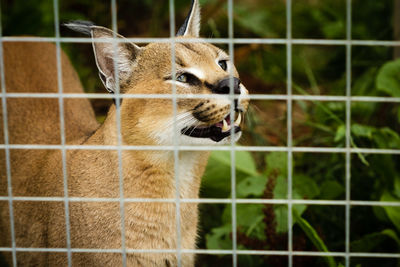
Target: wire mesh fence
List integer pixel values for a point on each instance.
(348, 149)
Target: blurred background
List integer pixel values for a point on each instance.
(316, 70)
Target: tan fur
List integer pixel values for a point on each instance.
(31, 67)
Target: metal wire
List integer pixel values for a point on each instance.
(297, 41)
(289, 97)
(175, 137)
(7, 149)
(289, 105)
(348, 133)
(62, 132)
(321, 98)
(208, 148)
(212, 251)
(118, 124)
(232, 143)
(213, 200)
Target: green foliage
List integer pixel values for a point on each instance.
(219, 238)
(217, 178)
(393, 235)
(331, 189)
(374, 125)
(28, 17)
(388, 80)
(392, 212)
(371, 241)
(250, 216)
(251, 187)
(314, 237)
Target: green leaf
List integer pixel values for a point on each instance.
(281, 215)
(368, 242)
(331, 190)
(257, 224)
(244, 161)
(362, 130)
(371, 241)
(314, 237)
(216, 181)
(305, 187)
(340, 133)
(388, 78)
(392, 212)
(393, 235)
(251, 186)
(219, 238)
(247, 214)
(277, 161)
(249, 218)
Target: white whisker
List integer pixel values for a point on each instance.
(180, 118)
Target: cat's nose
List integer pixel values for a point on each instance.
(224, 85)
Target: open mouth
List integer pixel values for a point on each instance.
(217, 131)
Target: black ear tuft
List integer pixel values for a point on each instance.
(184, 26)
(191, 26)
(81, 26)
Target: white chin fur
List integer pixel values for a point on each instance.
(167, 139)
(166, 136)
(185, 140)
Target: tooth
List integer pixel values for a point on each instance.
(225, 127)
(238, 120)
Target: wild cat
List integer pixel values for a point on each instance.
(200, 68)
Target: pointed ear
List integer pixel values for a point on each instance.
(191, 26)
(109, 55)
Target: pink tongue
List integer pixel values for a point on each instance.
(228, 119)
(219, 124)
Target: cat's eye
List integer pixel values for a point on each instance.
(223, 64)
(183, 78)
(186, 78)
